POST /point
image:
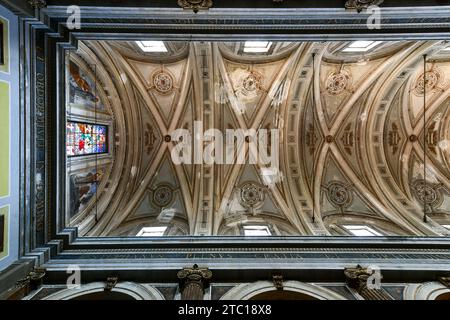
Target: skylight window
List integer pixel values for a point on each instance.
(152, 232)
(152, 46)
(362, 231)
(257, 46)
(256, 231)
(361, 46)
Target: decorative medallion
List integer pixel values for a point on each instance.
(433, 79)
(428, 194)
(195, 5)
(162, 81)
(339, 194)
(247, 84)
(338, 82)
(329, 139)
(413, 138)
(162, 195)
(359, 5)
(252, 82)
(251, 195)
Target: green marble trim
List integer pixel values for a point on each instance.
(4, 67)
(4, 139)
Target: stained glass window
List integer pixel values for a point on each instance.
(86, 138)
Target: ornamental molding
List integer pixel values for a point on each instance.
(195, 5)
(360, 5)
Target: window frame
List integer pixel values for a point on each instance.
(95, 153)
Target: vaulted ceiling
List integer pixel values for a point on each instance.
(355, 142)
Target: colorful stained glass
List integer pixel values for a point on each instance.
(86, 138)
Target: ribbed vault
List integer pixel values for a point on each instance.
(355, 144)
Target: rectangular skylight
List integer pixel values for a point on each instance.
(152, 232)
(256, 231)
(257, 46)
(152, 46)
(361, 46)
(362, 231)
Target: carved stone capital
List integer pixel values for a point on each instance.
(356, 278)
(359, 5)
(193, 282)
(195, 5)
(37, 4)
(32, 280)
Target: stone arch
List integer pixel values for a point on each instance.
(425, 291)
(134, 290)
(248, 290)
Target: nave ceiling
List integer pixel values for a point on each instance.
(354, 141)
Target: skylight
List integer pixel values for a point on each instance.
(362, 231)
(152, 232)
(256, 231)
(361, 46)
(152, 46)
(257, 46)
